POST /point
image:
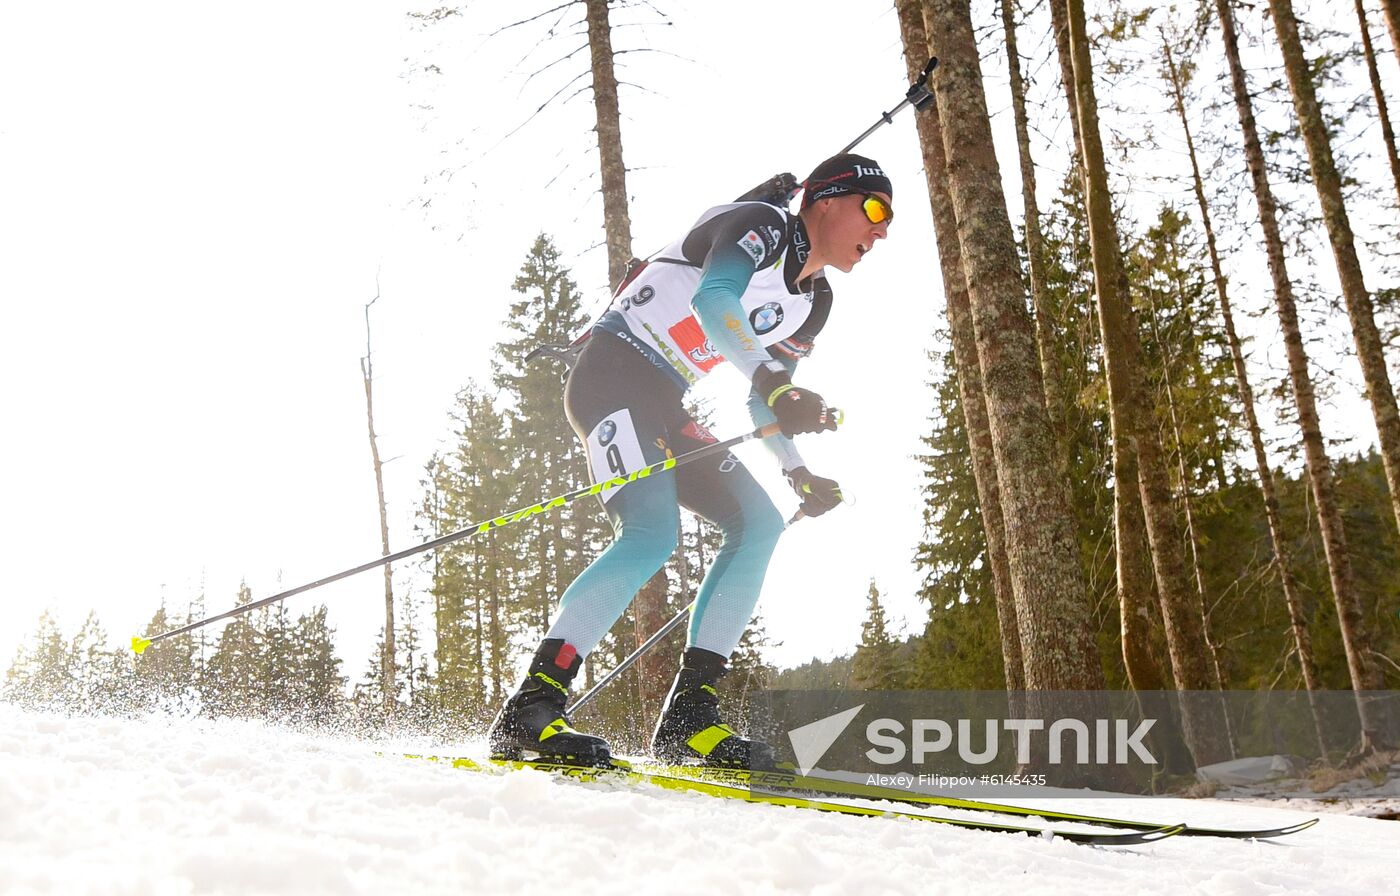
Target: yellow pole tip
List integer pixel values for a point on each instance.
(140, 644)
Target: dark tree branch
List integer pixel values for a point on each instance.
(533, 18)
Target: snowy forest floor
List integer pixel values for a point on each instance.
(171, 806)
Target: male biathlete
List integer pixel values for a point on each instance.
(745, 285)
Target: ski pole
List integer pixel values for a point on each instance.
(781, 188)
(919, 95)
(632, 658)
(647, 645)
(139, 644)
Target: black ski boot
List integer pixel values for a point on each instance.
(533, 719)
(690, 730)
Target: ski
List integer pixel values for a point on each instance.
(789, 781)
(624, 773)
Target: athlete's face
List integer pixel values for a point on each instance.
(848, 232)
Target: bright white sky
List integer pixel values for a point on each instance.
(197, 202)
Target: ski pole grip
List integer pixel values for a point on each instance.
(921, 91)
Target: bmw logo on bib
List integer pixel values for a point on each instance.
(606, 434)
(766, 318)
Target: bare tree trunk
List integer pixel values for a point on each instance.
(1131, 547)
(1138, 612)
(1056, 401)
(1182, 612)
(1382, 112)
(1192, 542)
(617, 223)
(1392, 22)
(1052, 604)
(979, 434)
(1059, 24)
(650, 603)
(1334, 213)
(1319, 467)
(387, 664)
(1283, 559)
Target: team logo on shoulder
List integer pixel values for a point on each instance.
(767, 318)
(775, 236)
(606, 432)
(752, 243)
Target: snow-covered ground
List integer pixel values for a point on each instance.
(183, 807)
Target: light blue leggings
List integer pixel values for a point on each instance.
(646, 515)
(645, 518)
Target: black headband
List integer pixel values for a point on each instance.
(845, 173)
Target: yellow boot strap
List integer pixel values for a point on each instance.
(558, 726)
(707, 740)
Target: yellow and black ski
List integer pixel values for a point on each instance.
(621, 772)
(785, 781)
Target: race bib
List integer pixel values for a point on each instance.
(614, 451)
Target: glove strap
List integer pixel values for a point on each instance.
(773, 396)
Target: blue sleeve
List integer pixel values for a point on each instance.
(781, 446)
(717, 307)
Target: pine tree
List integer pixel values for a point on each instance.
(1051, 373)
(235, 679)
(749, 673)
(1135, 442)
(1382, 108)
(321, 687)
(97, 673)
(1179, 76)
(546, 455)
(166, 672)
(972, 398)
(1052, 607)
(43, 675)
(875, 666)
(280, 663)
(961, 646)
(1327, 178)
(369, 696)
(1319, 466)
(475, 612)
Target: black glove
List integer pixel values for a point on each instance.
(798, 410)
(818, 494)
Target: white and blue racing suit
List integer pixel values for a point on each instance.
(726, 291)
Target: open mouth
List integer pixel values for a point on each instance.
(861, 249)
